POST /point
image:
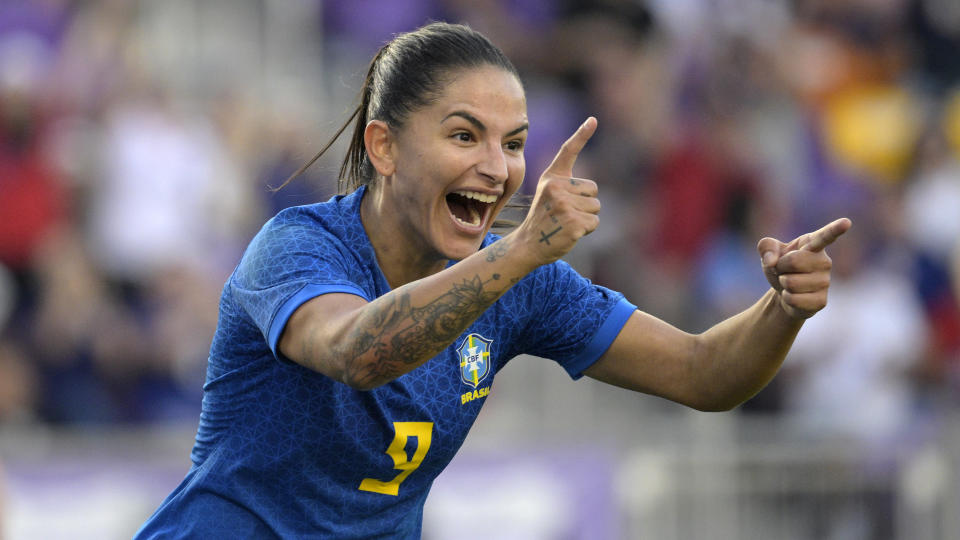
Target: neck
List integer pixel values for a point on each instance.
(402, 256)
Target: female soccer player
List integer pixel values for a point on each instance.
(358, 338)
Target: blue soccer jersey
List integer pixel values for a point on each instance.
(283, 451)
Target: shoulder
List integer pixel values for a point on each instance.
(297, 227)
(301, 236)
(340, 215)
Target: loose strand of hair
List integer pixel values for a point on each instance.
(322, 151)
(352, 165)
(351, 169)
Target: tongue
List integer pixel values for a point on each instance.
(463, 210)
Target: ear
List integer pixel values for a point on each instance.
(378, 140)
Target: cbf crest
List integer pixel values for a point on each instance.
(475, 359)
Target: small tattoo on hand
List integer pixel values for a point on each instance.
(545, 237)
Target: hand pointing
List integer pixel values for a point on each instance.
(565, 208)
(562, 164)
(800, 270)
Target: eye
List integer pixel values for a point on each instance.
(515, 145)
(463, 136)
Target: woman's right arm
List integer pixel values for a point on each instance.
(366, 344)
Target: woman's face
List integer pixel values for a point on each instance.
(458, 160)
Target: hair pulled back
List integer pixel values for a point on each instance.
(406, 74)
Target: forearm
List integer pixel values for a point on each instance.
(738, 357)
(403, 329)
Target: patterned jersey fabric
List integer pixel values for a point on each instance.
(283, 451)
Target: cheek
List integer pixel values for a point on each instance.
(517, 170)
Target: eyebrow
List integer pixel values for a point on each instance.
(479, 125)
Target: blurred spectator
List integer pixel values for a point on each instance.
(85, 366)
(167, 195)
(848, 375)
(32, 198)
(726, 274)
(136, 167)
(935, 32)
(18, 385)
(932, 227)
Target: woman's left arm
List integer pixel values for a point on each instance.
(732, 361)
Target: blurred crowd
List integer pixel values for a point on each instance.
(139, 142)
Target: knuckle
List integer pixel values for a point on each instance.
(551, 188)
(785, 281)
(788, 297)
(784, 264)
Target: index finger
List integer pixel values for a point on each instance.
(563, 162)
(826, 235)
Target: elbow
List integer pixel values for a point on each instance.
(714, 398)
(716, 405)
(361, 375)
(363, 384)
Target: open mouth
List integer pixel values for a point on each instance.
(470, 207)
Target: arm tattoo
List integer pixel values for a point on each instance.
(498, 249)
(399, 333)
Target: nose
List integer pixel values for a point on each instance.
(493, 163)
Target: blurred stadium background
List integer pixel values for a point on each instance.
(138, 139)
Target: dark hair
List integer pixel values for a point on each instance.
(407, 73)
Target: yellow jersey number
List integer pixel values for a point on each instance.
(397, 451)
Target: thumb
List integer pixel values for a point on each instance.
(769, 250)
(562, 164)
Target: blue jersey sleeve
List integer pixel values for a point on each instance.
(575, 320)
(286, 264)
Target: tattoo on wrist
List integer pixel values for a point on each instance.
(497, 250)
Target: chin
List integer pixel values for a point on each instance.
(462, 248)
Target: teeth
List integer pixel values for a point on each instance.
(484, 198)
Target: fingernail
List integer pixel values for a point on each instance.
(768, 258)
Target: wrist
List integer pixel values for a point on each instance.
(784, 310)
(517, 252)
